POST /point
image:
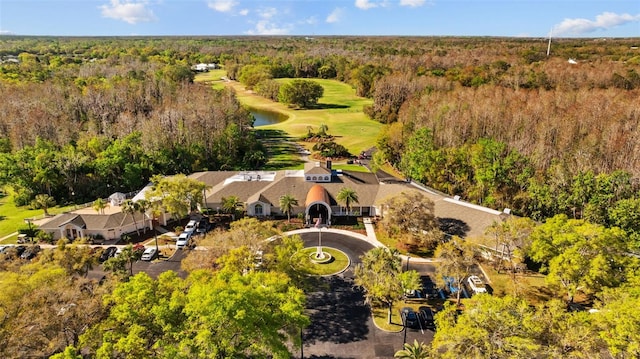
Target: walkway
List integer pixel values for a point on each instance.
(368, 225)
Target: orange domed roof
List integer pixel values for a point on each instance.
(317, 193)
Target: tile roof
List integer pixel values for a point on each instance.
(317, 193)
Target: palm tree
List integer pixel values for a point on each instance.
(131, 207)
(45, 202)
(99, 205)
(287, 202)
(231, 204)
(347, 196)
(143, 206)
(413, 351)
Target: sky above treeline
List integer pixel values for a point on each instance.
(512, 18)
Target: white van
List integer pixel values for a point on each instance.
(183, 240)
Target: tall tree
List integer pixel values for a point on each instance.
(231, 204)
(177, 194)
(456, 260)
(512, 243)
(287, 204)
(301, 93)
(143, 206)
(409, 217)
(580, 256)
(45, 202)
(380, 275)
(99, 205)
(130, 207)
(347, 196)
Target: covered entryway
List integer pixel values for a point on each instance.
(318, 206)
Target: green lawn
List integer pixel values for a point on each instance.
(339, 262)
(340, 109)
(12, 217)
(213, 77)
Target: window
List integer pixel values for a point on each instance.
(258, 209)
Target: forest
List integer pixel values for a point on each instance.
(493, 120)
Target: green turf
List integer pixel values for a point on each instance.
(12, 217)
(339, 262)
(213, 77)
(281, 150)
(340, 109)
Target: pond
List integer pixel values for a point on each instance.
(264, 117)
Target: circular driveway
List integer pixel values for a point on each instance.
(341, 323)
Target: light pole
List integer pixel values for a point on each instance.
(29, 237)
(404, 324)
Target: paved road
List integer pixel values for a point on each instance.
(341, 324)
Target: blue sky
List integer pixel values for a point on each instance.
(529, 18)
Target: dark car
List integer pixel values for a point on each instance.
(203, 226)
(426, 315)
(20, 250)
(409, 318)
(31, 252)
(108, 253)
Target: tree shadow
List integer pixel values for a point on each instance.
(281, 151)
(453, 227)
(338, 313)
(325, 106)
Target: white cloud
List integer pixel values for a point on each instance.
(412, 3)
(244, 12)
(365, 4)
(266, 27)
(130, 11)
(311, 20)
(604, 21)
(222, 5)
(267, 13)
(335, 16)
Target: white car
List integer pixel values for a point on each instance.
(183, 240)
(149, 254)
(476, 284)
(191, 226)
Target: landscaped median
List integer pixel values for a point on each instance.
(338, 263)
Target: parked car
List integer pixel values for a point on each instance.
(31, 252)
(149, 254)
(20, 250)
(191, 226)
(108, 253)
(409, 318)
(203, 226)
(426, 315)
(451, 284)
(183, 240)
(413, 295)
(476, 284)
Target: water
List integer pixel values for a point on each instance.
(264, 118)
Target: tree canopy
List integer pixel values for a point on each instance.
(300, 93)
